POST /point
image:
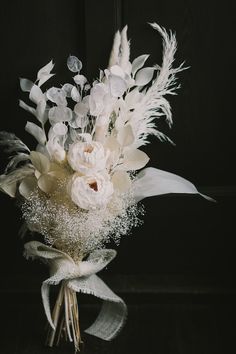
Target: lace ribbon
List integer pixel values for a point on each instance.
(82, 278)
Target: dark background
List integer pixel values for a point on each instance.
(177, 271)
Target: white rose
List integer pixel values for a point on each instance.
(91, 191)
(87, 157)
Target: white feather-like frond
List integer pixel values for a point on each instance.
(115, 52)
(15, 160)
(153, 104)
(124, 50)
(12, 144)
(16, 175)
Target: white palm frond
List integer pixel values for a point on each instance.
(153, 104)
(124, 50)
(114, 56)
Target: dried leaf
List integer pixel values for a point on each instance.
(36, 94)
(37, 132)
(27, 186)
(45, 70)
(46, 183)
(134, 160)
(144, 76)
(41, 113)
(125, 135)
(40, 162)
(138, 63)
(26, 85)
(45, 78)
(26, 107)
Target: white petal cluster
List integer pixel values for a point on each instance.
(91, 191)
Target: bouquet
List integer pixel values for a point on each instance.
(80, 186)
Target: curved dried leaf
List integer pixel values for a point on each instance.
(41, 113)
(40, 161)
(36, 94)
(37, 132)
(27, 186)
(44, 78)
(47, 183)
(26, 107)
(138, 63)
(74, 64)
(26, 85)
(134, 160)
(144, 76)
(151, 181)
(45, 70)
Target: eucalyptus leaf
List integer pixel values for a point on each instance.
(75, 95)
(60, 114)
(74, 64)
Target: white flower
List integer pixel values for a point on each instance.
(56, 140)
(87, 157)
(91, 191)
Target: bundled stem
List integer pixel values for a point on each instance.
(65, 317)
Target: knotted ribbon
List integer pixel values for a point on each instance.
(82, 278)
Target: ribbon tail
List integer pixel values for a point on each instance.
(113, 312)
(110, 320)
(46, 303)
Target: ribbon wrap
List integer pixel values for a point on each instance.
(82, 278)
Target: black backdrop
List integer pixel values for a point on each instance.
(183, 238)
